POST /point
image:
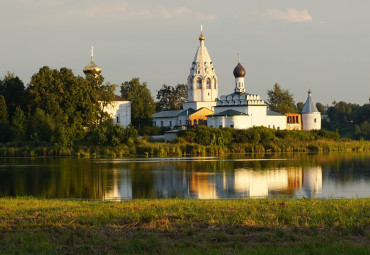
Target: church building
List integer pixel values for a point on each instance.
(119, 109)
(202, 94)
(240, 109)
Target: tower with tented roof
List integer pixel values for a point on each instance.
(202, 79)
(311, 117)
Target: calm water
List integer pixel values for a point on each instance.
(234, 176)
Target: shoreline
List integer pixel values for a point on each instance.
(147, 149)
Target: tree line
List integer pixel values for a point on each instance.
(62, 109)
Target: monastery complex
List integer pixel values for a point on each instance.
(239, 109)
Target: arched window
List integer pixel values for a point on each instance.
(199, 83)
(208, 83)
(215, 85)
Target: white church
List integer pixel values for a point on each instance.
(240, 110)
(119, 109)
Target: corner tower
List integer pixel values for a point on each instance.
(202, 80)
(311, 117)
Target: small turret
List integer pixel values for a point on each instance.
(239, 73)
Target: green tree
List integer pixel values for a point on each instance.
(13, 90)
(300, 106)
(3, 109)
(75, 102)
(321, 108)
(18, 122)
(280, 100)
(142, 106)
(40, 127)
(171, 98)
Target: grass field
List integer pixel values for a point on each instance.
(266, 226)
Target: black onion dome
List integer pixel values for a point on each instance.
(239, 71)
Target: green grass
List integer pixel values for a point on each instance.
(267, 226)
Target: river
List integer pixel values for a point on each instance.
(299, 175)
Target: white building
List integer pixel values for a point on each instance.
(202, 90)
(311, 117)
(119, 109)
(202, 80)
(243, 110)
(240, 110)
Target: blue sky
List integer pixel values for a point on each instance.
(321, 45)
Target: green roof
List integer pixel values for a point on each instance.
(229, 112)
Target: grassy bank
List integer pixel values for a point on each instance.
(182, 149)
(185, 227)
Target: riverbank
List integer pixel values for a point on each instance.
(157, 149)
(266, 226)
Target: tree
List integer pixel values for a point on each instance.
(171, 98)
(72, 101)
(13, 90)
(142, 106)
(321, 108)
(3, 109)
(18, 122)
(280, 100)
(300, 106)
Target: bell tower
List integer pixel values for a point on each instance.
(202, 80)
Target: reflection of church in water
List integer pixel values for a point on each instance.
(240, 183)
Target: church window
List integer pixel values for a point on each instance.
(180, 122)
(161, 123)
(199, 84)
(231, 125)
(296, 118)
(117, 119)
(170, 123)
(314, 120)
(215, 85)
(208, 83)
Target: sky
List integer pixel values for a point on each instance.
(306, 44)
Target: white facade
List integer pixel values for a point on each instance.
(120, 111)
(311, 117)
(202, 80)
(202, 90)
(311, 121)
(242, 110)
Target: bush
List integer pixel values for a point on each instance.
(6, 131)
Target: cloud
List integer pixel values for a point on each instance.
(185, 12)
(103, 11)
(107, 12)
(290, 15)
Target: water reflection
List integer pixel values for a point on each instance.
(210, 178)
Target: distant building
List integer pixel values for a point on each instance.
(119, 109)
(243, 110)
(240, 109)
(294, 121)
(311, 117)
(202, 94)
